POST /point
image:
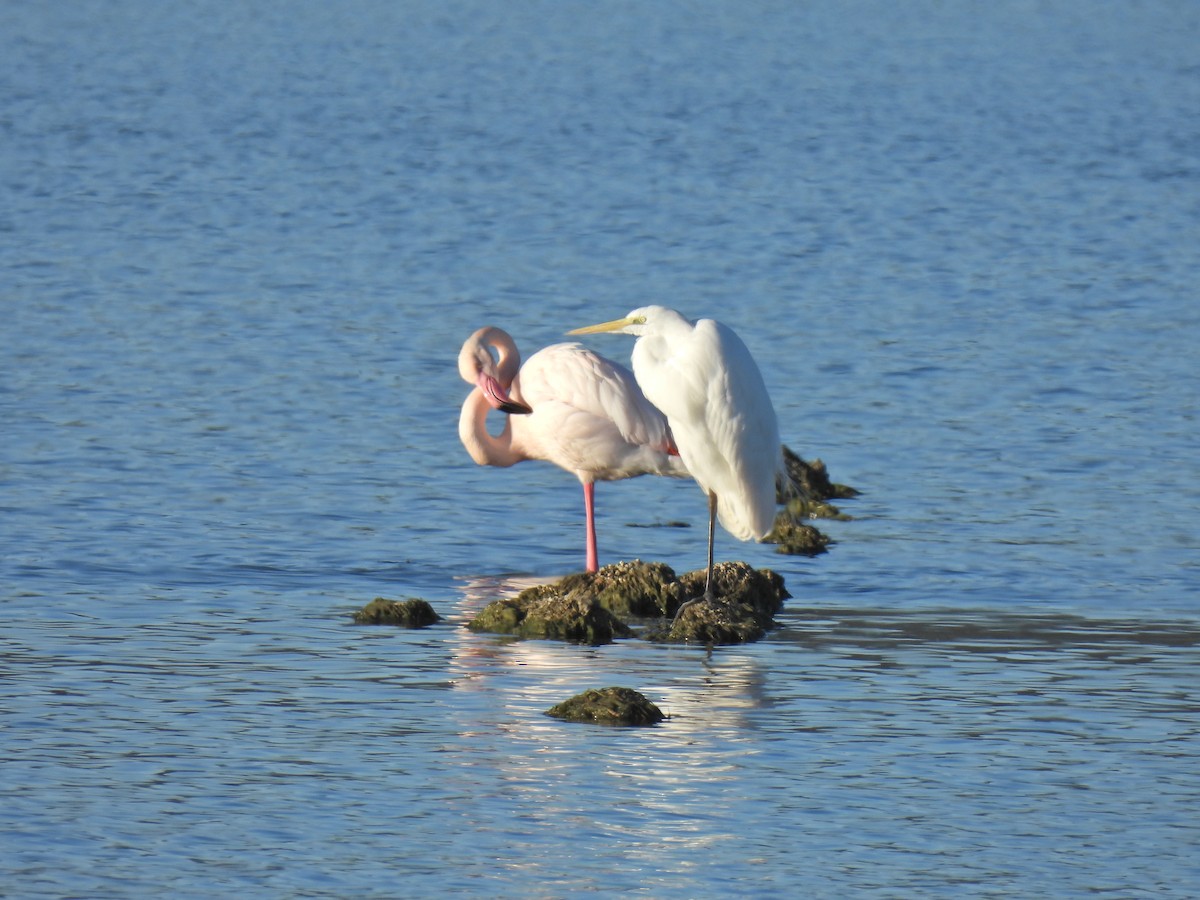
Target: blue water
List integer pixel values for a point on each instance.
(241, 245)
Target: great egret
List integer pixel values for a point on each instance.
(703, 378)
(568, 405)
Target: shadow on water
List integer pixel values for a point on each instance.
(981, 631)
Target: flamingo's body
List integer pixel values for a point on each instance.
(568, 405)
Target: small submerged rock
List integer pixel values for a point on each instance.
(790, 533)
(793, 537)
(608, 706)
(816, 491)
(411, 613)
(814, 480)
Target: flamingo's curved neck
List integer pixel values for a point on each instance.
(485, 448)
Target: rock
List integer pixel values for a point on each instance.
(628, 589)
(546, 613)
(717, 621)
(815, 489)
(761, 590)
(746, 600)
(796, 538)
(589, 608)
(814, 480)
(743, 609)
(410, 613)
(608, 706)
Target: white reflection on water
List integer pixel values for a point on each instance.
(912, 730)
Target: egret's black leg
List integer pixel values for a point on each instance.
(712, 530)
(709, 593)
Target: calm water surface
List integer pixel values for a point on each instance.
(240, 247)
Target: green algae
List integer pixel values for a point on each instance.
(715, 622)
(411, 613)
(813, 479)
(762, 590)
(628, 589)
(809, 500)
(795, 538)
(548, 614)
(608, 706)
(742, 609)
(598, 607)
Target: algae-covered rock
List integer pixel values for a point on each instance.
(715, 621)
(501, 616)
(608, 706)
(814, 480)
(587, 608)
(762, 590)
(808, 500)
(628, 589)
(572, 618)
(410, 613)
(743, 608)
(794, 537)
(546, 613)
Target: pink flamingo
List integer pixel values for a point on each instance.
(568, 405)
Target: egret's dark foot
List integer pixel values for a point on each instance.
(706, 596)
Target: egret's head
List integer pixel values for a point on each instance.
(634, 323)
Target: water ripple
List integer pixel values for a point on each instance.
(242, 244)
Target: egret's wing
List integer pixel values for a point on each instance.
(745, 430)
(714, 397)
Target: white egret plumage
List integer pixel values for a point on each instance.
(702, 377)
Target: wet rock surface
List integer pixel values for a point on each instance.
(791, 535)
(616, 601)
(813, 479)
(742, 607)
(548, 613)
(608, 706)
(715, 622)
(642, 598)
(629, 589)
(738, 582)
(815, 490)
(411, 613)
(795, 538)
